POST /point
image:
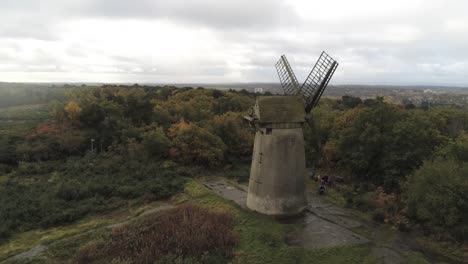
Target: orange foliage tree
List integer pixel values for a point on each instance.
(73, 111)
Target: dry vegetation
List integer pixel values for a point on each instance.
(187, 233)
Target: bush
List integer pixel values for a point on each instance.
(364, 202)
(33, 168)
(72, 190)
(4, 232)
(91, 251)
(378, 215)
(186, 234)
(156, 143)
(5, 169)
(438, 197)
(239, 172)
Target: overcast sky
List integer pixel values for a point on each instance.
(183, 41)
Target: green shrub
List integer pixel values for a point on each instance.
(378, 215)
(34, 168)
(5, 169)
(240, 173)
(156, 143)
(72, 190)
(364, 201)
(438, 197)
(81, 186)
(4, 231)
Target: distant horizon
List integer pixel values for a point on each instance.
(442, 85)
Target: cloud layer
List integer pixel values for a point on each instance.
(386, 42)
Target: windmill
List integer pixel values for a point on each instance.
(277, 184)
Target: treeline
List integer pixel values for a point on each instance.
(192, 126)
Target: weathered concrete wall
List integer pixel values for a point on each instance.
(277, 183)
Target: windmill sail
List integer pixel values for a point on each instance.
(317, 81)
(287, 78)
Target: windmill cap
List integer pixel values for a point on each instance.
(280, 109)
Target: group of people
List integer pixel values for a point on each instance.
(324, 181)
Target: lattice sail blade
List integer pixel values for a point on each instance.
(315, 84)
(287, 78)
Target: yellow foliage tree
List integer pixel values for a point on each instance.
(73, 110)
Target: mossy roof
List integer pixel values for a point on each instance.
(280, 109)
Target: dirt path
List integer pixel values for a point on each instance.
(30, 253)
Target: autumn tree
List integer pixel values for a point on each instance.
(197, 145)
(73, 111)
(235, 134)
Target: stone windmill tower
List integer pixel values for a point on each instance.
(277, 184)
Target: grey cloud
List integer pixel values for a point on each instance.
(27, 30)
(209, 13)
(36, 19)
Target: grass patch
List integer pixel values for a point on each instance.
(25, 112)
(415, 258)
(21, 119)
(445, 249)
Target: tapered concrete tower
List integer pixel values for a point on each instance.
(277, 184)
(277, 176)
